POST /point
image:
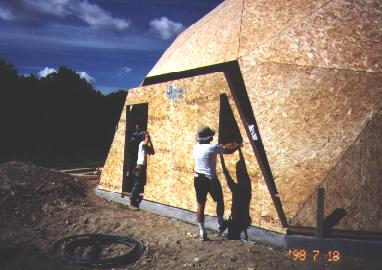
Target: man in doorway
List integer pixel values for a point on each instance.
(145, 147)
(135, 137)
(205, 179)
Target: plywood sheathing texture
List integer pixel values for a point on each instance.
(173, 125)
(333, 34)
(213, 39)
(307, 118)
(112, 172)
(262, 20)
(342, 34)
(312, 72)
(355, 184)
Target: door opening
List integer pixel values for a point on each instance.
(136, 124)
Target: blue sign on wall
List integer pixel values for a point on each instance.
(175, 93)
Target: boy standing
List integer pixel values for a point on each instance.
(145, 147)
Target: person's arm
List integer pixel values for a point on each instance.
(232, 149)
(147, 145)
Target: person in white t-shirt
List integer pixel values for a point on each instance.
(145, 147)
(205, 179)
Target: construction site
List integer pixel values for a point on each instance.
(299, 85)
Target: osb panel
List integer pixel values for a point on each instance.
(307, 118)
(343, 179)
(112, 172)
(263, 212)
(262, 20)
(355, 184)
(213, 39)
(173, 125)
(342, 34)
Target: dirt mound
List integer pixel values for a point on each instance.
(31, 192)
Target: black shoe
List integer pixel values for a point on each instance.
(223, 227)
(203, 237)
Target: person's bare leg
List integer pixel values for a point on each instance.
(200, 218)
(220, 213)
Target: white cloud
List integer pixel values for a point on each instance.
(166, 28)
(126, 70)
(47, 70)
(76, 36)
(86, 76)
(5, 14)
(107, 89)
(89, 13)
(93, 15)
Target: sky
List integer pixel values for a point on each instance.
(113, 44)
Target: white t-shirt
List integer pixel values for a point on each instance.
(141, 154)
(205, 158)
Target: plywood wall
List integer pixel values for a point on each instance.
(173, 125)
(340, 34)
(313, 73)
(112, 172)
(308, 117)
(263, 20)
(332, 34)
(355, 184)
(213, 39)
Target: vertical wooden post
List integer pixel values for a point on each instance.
(320, 213)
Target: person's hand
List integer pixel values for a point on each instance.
(238, 145)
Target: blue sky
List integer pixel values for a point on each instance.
(111, 43)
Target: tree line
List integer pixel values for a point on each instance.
(58, 118)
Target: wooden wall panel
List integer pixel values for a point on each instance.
(332, 34)
(307, 118)
(312, 70)
(112, 172)
(213, 39)
(355, 184)
(173, 125)
(263, 20)
(342, 34)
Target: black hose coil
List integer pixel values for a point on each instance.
(66, 247)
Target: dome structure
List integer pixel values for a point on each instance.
(312, 74)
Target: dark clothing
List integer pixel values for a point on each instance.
(137, 136)
(204, 185)
(139, 177)
(132, 155)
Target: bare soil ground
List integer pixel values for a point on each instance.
(40, 206)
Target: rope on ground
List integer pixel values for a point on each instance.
(67, 248)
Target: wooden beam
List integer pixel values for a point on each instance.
(320, 213)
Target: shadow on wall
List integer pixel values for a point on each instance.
(241, 190)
